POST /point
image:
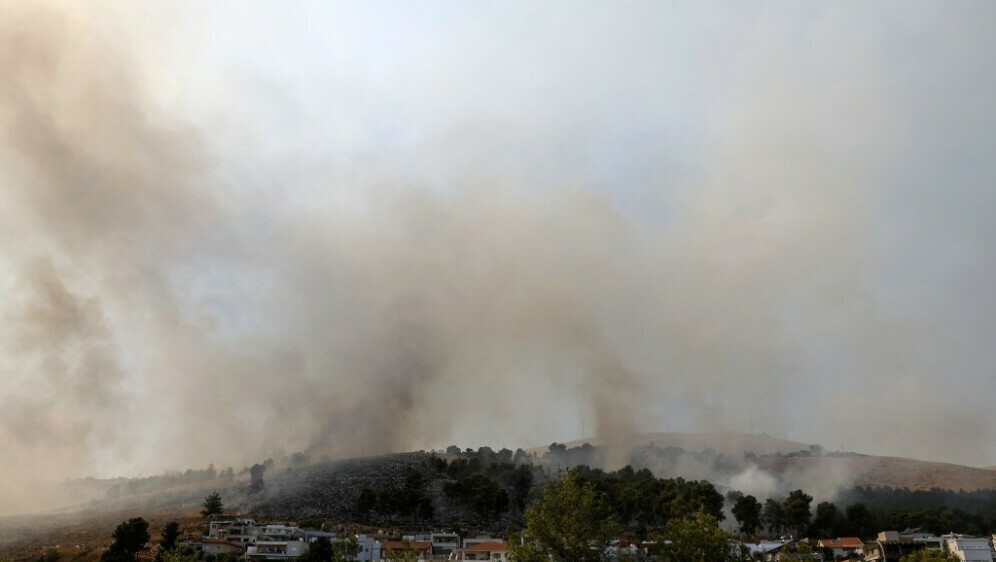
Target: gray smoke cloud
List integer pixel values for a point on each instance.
(491, 234)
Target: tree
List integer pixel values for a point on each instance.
(797, 512)
(130, 538)
(861, 521)
(827, 522)
(773, 515)
(170, 532)
(212, 505)
(325, 550)
(930, 555)
(747, 511)
(699, 539)
(256, 476)
(569, 521)
(176, 555)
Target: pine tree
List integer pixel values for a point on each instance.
(212, 505)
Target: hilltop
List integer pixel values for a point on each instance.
(717, 454)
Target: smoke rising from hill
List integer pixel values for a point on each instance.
(172, 298)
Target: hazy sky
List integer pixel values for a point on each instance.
(235, 230)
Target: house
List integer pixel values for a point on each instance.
(444, 543)
(842, 547)
(761, 549)
(219, 546)
(276, 550)
(423, 548)
(890, 546)
(793, 550)
(471, 541)
(277, 532)
(969, 549)
(369, 550)
(486, 551)
(312, 536)
(232, 528)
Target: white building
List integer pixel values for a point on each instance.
(369, 549)
(276, 550)
(969, 549)
(278, 532)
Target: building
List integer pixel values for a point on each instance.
(277, 532)
(422, 548)
(369, 549)
(276, 550)
(471, 541)
(969, 549)
(444, 543)
(214, 547)
(486, 551)
(842, 547)
(890, 546)
(793, 551)
(312, 536)
(233, 529)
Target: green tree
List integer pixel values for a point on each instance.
(318, 551)
(130, 537)
(170, 533)
(827, 522)
(797, 511)
(212, 505)
(930, 555)
(861, 521)
(177, 556)
(747, 511)
(773, 515)
(569, 521)
(699, 539)
(256, 476)
(325, 550)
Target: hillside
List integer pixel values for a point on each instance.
(793, 463)
(895, 472)
(723, 442)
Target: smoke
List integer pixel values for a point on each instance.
(207, 261)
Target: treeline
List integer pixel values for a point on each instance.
(166, 480)
(496, 484)
(409, 500)
(936, 510)
(640, 501)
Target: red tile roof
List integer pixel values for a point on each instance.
(842, 542)
(487, 547)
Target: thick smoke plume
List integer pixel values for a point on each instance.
(177, 290)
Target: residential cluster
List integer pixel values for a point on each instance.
(236, 536)
(888, 546)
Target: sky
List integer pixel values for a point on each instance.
(240, 230)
